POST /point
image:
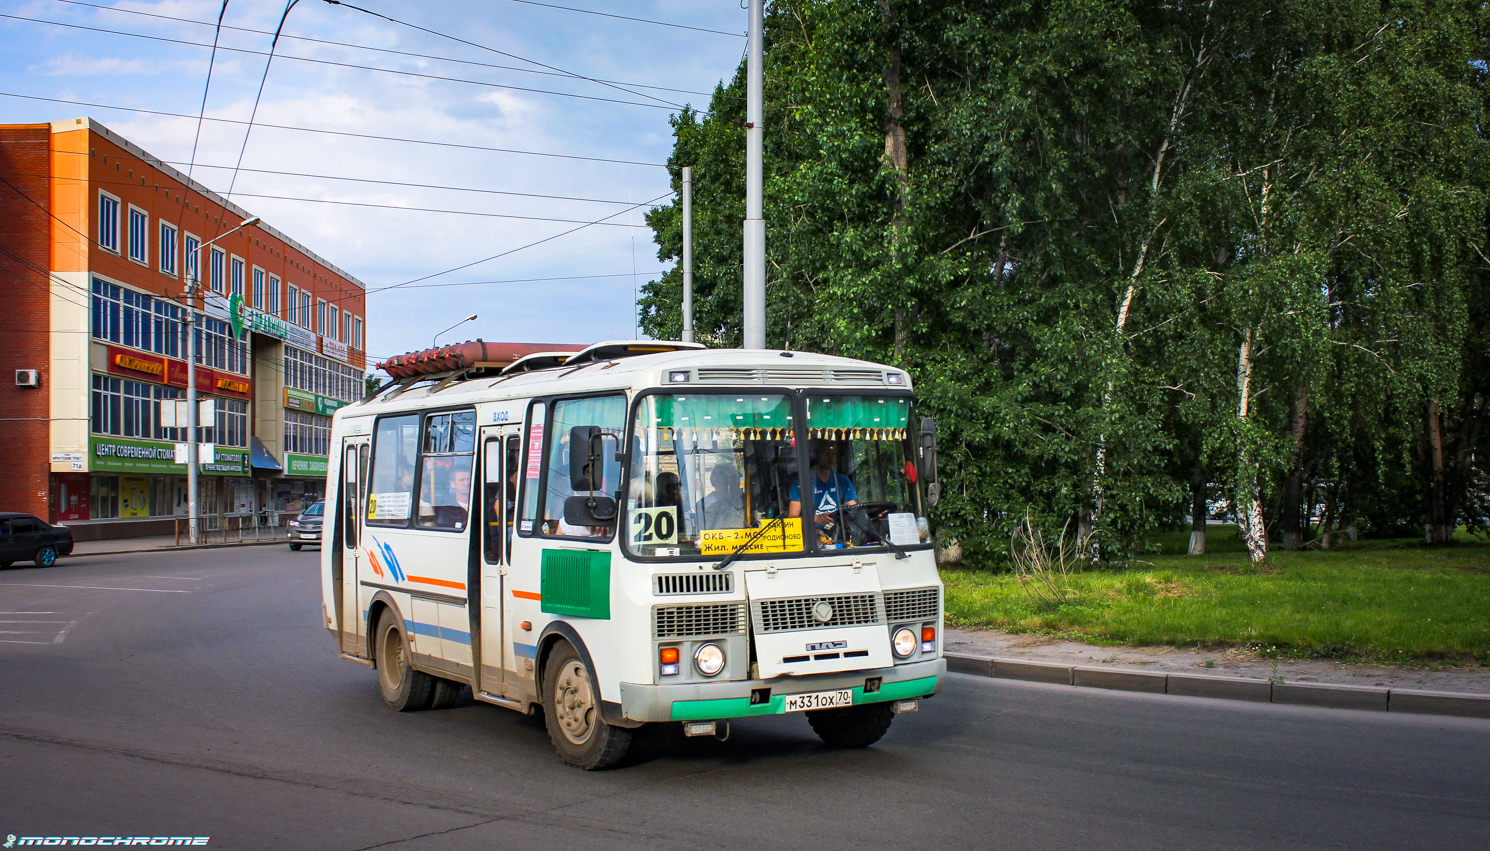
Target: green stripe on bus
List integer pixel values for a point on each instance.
(740, 707)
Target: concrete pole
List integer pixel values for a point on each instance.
(687, 254)
(755, 224)
(193, 512)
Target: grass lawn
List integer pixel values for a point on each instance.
(1380, 601)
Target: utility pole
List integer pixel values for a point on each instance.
(687, 254)
(193, 509)
(755, 223)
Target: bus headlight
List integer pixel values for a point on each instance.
(904, 643)
(709, 659)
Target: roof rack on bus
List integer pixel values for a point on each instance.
(537, 361)
(473, 358)
(616, 349)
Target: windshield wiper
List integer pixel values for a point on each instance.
(743, 547)
(899, 553)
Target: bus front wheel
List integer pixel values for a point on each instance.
(404, 689)
(571, 711)
(852, 726)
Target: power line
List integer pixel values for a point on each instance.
(329, 43)
(626, 18)
(343, 133)
(459, 40)
(527, 280)
(233, 181)
(354, 66)
(519, 248)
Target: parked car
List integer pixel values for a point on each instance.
(26, 537)
(306, 528)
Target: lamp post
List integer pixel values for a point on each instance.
(192, 485)
(754, 317)
(436, 340)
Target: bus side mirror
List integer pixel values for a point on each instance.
(586, 446)
(589, 510)
(928, 461)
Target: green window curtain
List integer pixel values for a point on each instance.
(758, 417)
(858, 417)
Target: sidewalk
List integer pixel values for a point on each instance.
(115, 546)
(1218, 662)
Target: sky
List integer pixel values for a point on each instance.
(592, 93)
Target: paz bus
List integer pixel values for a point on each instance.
(638, 532)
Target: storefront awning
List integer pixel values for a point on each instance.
(262, 458)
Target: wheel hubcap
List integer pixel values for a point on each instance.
(47, 557)
(574, 703)
(392, 665)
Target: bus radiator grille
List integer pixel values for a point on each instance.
(698, 621)
(792, 614)
(694, 583)
(915, 604)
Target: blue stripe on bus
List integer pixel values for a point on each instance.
(434, 630)
(525, 651)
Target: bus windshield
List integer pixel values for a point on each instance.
(863, 473)
(709, 472)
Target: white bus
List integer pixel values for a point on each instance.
(618, 536)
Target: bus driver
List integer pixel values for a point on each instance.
(831, 490)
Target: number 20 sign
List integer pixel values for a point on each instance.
(654, 525)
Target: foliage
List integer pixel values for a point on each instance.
(1044, 571)
(1115, 241)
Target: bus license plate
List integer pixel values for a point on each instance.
(819, 700)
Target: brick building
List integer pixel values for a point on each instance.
(97, 241)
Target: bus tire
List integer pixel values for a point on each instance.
(295, 548)
(404, 689)
(571, 711)
(446, 693)
(852, 726)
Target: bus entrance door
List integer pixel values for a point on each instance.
(353, 498)
(498, 497)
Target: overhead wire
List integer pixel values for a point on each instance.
(343, 133)
(628, 18)
(355, 66)
(333, 43)
(248, 131)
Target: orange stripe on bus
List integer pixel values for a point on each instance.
(460, 586)
(527, 595)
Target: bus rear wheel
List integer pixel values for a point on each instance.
(404, 689)
(571, 711)
(852, 726)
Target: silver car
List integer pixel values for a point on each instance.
(306, 528)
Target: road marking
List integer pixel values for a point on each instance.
(93, 587)
(28, 613)
(34, 621)
(62, 636)
(12, 641)
(23, 631)
(190, 578)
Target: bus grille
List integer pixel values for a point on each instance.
(857, 376)
(796, 613)
(728, 375)
(717, 582)
(915, 604)
(698, 621)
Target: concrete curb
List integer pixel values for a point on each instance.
(282, 543)
(1226, 688)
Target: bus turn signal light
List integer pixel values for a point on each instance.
(668, 656)
(928, 639)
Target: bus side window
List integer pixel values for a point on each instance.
(533, 460)
(349, 497)
(509, 515)
(492, 498)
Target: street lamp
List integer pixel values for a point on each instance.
(193, 511)
(470, 318)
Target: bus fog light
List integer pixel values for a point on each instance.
(904, 643)
(700, 728)
(709, 659)
(900, 706)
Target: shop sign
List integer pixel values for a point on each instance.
(134, 363)
(162, 370)
(334, 349)
(312, 403)
(231, 385)
(305, 465)
(121, 455)
(236, 308)
(301, 338)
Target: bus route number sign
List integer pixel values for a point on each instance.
(654, 525)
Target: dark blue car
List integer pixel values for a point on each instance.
(26, 537)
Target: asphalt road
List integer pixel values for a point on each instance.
(196, 693)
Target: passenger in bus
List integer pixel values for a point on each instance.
(831, 490)
(724, 507)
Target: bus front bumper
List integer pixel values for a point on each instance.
(733, 699)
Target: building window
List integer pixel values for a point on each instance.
(103, 497)
(215, 269)
(191, 258)
(294, 306)
(274, 295)
(125, 408)
(346, 328)
(357, 334)
(134, 319)
(315, 374)
(333, 323)
(305, 316)
(108, 222)
(219, 349)
(237, 276)
(232, 423)
(320, 318)
(167, 249)
(258, 300)
(307, 434)
(139, 223)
